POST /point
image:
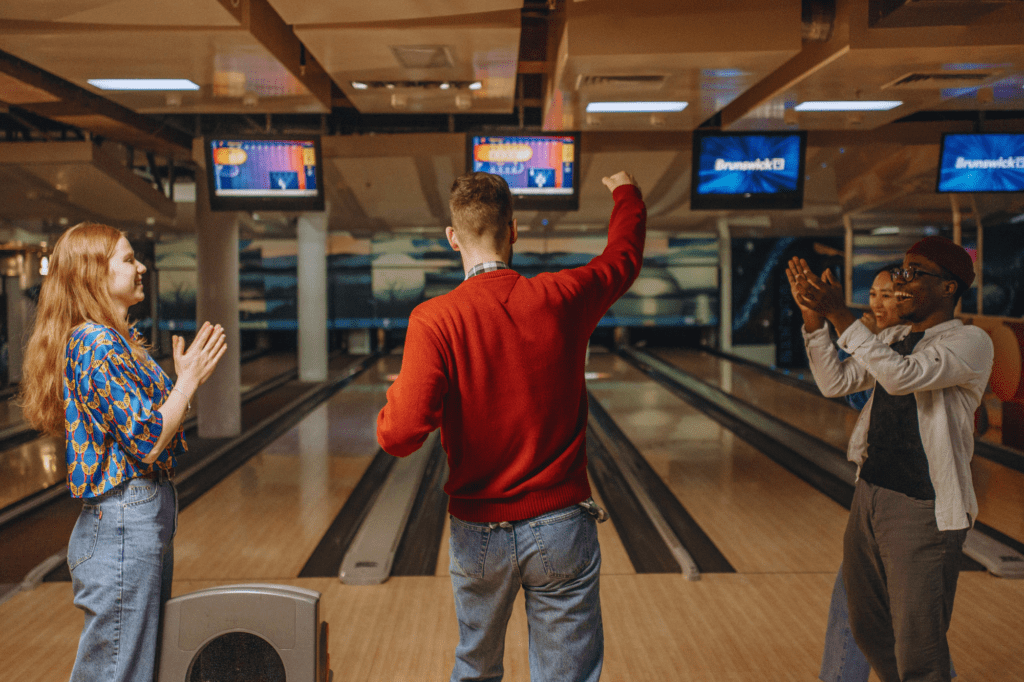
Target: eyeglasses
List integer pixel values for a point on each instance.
(909, 274)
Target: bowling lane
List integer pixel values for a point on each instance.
(1000, 489)
(35, 465)
(30, 467)
(763, 518)
(264, 520)
(825, 419)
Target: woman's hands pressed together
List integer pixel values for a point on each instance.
(195, 365)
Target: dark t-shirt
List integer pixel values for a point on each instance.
(896, 458)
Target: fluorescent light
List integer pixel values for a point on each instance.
(848, 105)
(476, 85)
(888, 229)
(359, 85)
(633, 107)
(143, 84)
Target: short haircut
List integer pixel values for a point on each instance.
(481, 206)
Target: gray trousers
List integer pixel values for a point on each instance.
(900, 572)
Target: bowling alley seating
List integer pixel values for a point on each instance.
(255, 633)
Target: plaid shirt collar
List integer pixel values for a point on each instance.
(489, 266)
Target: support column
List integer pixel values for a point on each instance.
(17, 322)
(848, 258)
(979, 269)
(218, 401)
(311, 233)
(725, 285)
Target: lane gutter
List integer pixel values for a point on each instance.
(820, 464)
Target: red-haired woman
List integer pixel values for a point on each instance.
(87, 376)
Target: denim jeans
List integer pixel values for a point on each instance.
(842, 661)
(556, 559)
(121, 560)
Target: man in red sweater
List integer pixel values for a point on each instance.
(498, 364)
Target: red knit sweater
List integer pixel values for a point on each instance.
(498, 365)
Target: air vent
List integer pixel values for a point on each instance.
(641, 83)
(939, 80)
(423, 56)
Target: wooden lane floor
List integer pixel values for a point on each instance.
(765, 623)
(723, 628)
(1000, 490)
(264, 520)
(763, 518)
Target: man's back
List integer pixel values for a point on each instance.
(499, 362)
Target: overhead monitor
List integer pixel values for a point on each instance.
(981, 162)
(542, 170)
(264, 172)
(744, 171)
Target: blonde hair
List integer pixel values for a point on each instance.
(75, 291)
(481, 206)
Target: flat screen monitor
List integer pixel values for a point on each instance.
(263, 172)
(981, 162)
(743, 171)
(542, 170)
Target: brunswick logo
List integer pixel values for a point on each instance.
(777, 164)
(1011, 162)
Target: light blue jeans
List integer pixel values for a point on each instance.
(842, 661)
(556, 559)
(121, 560)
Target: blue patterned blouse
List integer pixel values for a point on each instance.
(110, 408)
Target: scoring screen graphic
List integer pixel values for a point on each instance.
(256, 167)
(748, 164)
(530, 165)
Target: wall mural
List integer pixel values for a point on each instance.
(376, 283)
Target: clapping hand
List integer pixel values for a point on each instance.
(821, 295)
(195, 365)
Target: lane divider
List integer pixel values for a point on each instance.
(820, 464)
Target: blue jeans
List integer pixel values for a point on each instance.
(556, 559)
(121, 560)
(842, 661)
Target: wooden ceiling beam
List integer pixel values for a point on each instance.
(267, 27)
(67, 98)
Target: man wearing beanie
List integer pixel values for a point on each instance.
(913, 442)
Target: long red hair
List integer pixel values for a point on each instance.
(75, 291)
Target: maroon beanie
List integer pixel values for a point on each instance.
(947, 254)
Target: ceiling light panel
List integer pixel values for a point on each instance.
(848, 105)
(634, 107)
(126, 84)
(223, 66)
